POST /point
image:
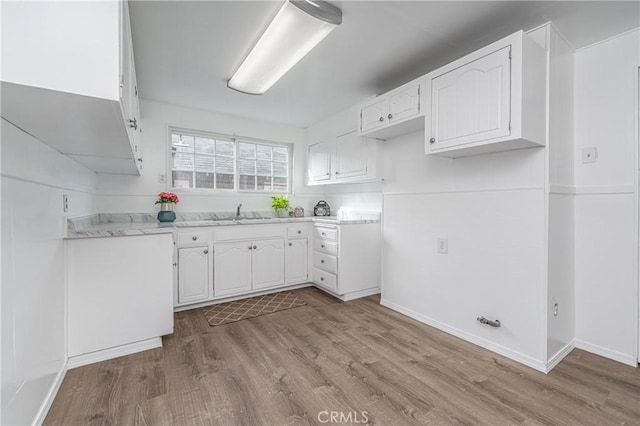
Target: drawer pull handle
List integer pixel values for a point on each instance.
(321, 278)
(322, 245)
(491, 323)
(290, 244)
(299, 231)
(194, 238)
(324, 234)
(322, 261)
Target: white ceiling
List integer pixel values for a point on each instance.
(185, 51)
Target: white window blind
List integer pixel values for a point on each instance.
(214, 162)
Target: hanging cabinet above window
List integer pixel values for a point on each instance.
(77, 94)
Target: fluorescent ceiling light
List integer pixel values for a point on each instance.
(297, 28)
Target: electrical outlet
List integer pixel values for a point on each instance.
(555, 309)
(443, 245)
(162, 178)
(65, 203)
(589, 155)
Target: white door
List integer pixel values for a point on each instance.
(232, 268)
(268, 263)
(472, 103)
(319, 162)
(374, 115)
(351, 156)
(193, 274)
(297, 258)
(404, 104)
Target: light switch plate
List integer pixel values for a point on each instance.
(65, 203)
(443, 245)
(589, 155)
(162, 178)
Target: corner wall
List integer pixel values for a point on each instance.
(34, 178)
(606, 257)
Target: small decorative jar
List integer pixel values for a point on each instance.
(166, 213)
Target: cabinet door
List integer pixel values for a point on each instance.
(268, 263)
(374, 115)
(296, 261)
(232, 268)
(404, 104)
(193, 274)
(472, 103)
(319, 162)
(351, 156)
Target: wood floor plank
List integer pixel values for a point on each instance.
(330, 358)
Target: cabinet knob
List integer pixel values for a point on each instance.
(299, 231)
(194, 238)
(324, 234)
(321, 278)
(322, 245)
(390, 116)
(140, 159)
(328, 174)
(255, 247)
(290, 244)
(133, 124)
(337, 173)
(206, 251)
(322, 261)
(250, 247)
(432, 140)
(381, 118)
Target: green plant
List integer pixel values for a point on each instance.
(280, 202)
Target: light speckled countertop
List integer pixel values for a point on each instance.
(123, 225)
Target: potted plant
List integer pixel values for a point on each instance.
(280, 204)
(166, 201)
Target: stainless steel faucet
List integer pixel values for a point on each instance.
(238, 210)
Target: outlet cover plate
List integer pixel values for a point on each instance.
(589, 155)
(443, 245)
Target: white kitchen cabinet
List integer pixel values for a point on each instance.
(319, 162)
(193, 275)
(296, 261)
(268, 263)
(232, 268)
(394, 113)
(119, 295)
(346, 259)
(491, 100)
(87, 109)
(347, 158)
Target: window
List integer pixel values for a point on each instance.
(201, 161)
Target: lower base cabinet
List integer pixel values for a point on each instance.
(232, 268)
(268, 263)
(297, 261)
(193, 275)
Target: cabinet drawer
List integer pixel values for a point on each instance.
(297, 232)
(325, 279)
(325, 246)
(194, 237)
(326, 233)
(325, 261)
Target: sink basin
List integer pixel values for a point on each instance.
(255, 219)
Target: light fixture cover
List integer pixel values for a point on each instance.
(297, 28)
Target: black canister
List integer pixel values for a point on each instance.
(322, 209)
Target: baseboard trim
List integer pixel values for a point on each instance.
(479, 341)
(591, 189)
(241, 296)
(560, 355)
(360, 294)
(118, 351)
(607, 353)
(51, 396)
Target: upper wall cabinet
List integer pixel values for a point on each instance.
(346, 158)
(75, 93)
(491, 100)
(394, 113)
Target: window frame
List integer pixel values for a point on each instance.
(236, 139)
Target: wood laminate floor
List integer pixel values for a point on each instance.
(300, 365)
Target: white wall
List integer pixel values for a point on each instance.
(34, 178)
(560, 285)
(119, 193)
(492, 210)
(605, 90)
